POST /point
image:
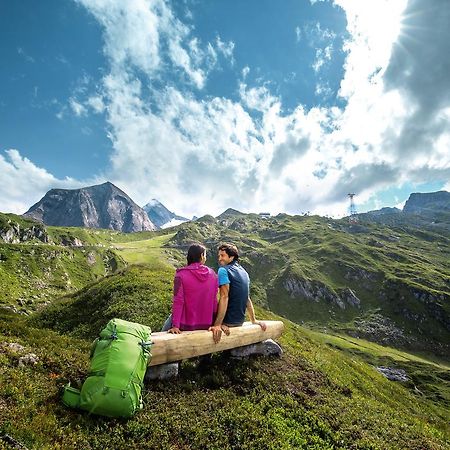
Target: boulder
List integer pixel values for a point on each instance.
(162, 372)
(265, 348)
(393, 374)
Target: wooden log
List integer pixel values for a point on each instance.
(175, 347)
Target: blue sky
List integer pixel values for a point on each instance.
(256, 105)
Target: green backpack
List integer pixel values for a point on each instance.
(119, 359)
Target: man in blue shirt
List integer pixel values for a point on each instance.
(234, 289)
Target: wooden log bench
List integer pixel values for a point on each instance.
(168, 347)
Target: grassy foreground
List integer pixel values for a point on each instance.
(313, 397)
(317, 396)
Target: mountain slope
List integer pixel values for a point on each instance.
(425, 210)
(101, 206)
(389, 284)
(426, 203)
(323, 393)
(160, 216)
(39, 263)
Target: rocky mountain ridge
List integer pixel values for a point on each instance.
(100, 206)
(431, 210)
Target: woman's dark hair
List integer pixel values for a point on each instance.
(195, 252)
(230, 250)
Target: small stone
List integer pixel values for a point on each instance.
(9, 308)
(91, 260)
(12, 443)
(162, 372)
(15, 347)
(28, 360)
(265, 348)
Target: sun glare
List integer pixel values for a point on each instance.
(378, 23)
(382, 21)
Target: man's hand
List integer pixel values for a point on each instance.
(261, 324)
(225, 329)
(217, 332)
(174, 330)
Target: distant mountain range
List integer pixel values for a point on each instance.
(161, 216)
(421, 209)
(106, 206)
(385, 278)
(100, 206)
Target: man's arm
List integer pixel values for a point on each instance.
(221, 311)
(224, 291)
(251, 313)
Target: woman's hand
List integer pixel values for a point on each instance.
(217, 332)
(174, 330)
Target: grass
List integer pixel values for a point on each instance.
(138, 293)
(323, 393)
(315, 396)
(143, 251)
(349, 344)
(32, 274)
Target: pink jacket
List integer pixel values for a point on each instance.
(194, 297)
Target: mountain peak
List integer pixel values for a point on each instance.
(153, 202)
(231, 212)
(98, 206)
(161, 216)
(430, 200)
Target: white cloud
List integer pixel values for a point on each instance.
(25, 55)
(226, 48)
(316, 35)
(307, 160)
(77, 107)
(258, 98)
(323, 89)
(23, 183)
(322, 57)
(96, 103)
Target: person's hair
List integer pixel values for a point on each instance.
(195, 253)
(230, 250)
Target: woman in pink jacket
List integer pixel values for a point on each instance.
(195, 289)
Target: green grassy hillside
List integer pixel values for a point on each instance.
(384, 283)
(41, 263)
(323, 393)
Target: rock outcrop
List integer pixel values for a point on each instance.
(14, 232)
(427, 203)
(317, 291)
(393, 374)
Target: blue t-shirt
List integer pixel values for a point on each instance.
(223, 276)
(237, 277)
